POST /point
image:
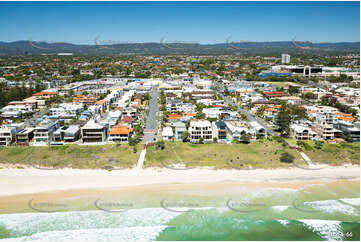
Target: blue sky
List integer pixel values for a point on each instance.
(202, 22)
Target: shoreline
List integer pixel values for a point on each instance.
(31, 180)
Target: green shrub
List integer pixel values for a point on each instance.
(287, 158)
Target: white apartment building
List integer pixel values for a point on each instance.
(286, 58)
(200, 129)
(7, 135)
(66, 109)
(302, 132)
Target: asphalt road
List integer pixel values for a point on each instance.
(151, 123)
(245, 112)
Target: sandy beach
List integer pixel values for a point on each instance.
(32, 180)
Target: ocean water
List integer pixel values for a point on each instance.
(317, 212)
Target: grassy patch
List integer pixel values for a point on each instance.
(260, 154)
(71, 156)
(335, 154)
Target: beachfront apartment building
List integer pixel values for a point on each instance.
(66, 134)
(301, 132)
(72, 133)
(328, 117)
(24, 136)
(43, 133)
(210, 102)
(350, 129)
(200, 129)
(93, 132)
(218, 112)
(7, 135)
(236, 128)
(219, 130)
(324, 130)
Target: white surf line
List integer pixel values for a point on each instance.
(141, 159)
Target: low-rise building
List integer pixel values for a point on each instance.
(179, 129)
(167, 133)
(120, 133)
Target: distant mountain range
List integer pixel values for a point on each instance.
(273, 47)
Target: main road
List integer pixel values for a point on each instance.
(151, 125)
(245, 112)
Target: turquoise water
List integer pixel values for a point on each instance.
(322, 212)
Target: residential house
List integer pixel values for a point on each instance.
(167, 133)
(236, 128)
(120, 133)
(44, 94)
(128, 121)
(86, 100)
(256, 130)
(179, 129)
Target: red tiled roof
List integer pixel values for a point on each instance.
(120, 130)
(44, 93)
(174, 116)
(128, 119)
